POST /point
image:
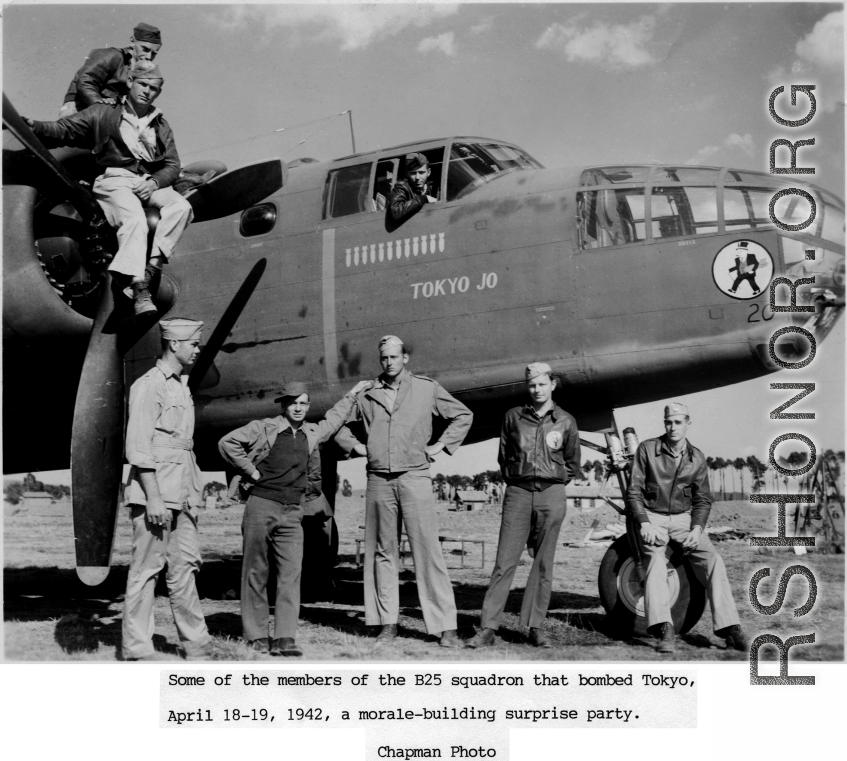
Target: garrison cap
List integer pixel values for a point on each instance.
(180, 329)
(386, 342)
(292, 390)
(676, 408)
(145, 70)
(147, 33)
(415, 161)
(538, 368)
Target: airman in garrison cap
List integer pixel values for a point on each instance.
(669, 497)
(408, 196)
(539, 455)
(103, 76)
(280, 458)
(395, 419)
(163, 494)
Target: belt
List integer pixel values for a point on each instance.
(172, 442)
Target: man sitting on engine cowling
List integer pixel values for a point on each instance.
(134, 147)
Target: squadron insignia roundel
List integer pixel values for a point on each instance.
(743, 269)
(554, 440)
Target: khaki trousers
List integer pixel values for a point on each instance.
(125, 212)
(707, 565)
(389, 497)
(533, 517)
(176, 544)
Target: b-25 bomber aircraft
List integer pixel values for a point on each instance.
(621, 277)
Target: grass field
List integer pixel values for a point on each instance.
(50, 616)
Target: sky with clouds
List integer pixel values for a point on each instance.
(572, 84)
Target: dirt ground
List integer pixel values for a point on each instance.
(50, 616)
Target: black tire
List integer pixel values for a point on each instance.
(623, 597)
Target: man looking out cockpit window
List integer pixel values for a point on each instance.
(409, 196)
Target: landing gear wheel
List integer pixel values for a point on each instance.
(622, 594)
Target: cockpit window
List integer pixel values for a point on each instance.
(688, 174)
(614, 175)
(610, 217)
(473, 164)
(683, 211)
(347, 190)
(833, 224)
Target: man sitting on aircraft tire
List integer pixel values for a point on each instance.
(539, 454)
(280, 458)
(134, 147)
(164, 492)
(669, 497)
(102, 78)
(395, 417)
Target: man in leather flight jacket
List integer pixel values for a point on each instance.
(669, 496)
(102, 78)
(539, 454)
(134, 147)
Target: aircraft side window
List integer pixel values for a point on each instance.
(435, 157)
(610, 217)
(735, 211)
(833, 224)
(347, 191)
(679, 211)
(258, 220)
(386, 176)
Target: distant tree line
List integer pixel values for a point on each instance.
(14, 490)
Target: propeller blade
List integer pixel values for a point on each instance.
(97, 446)
(237, 189)
(225, 325)
(81, 199)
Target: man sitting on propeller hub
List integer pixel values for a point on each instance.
(134, 147)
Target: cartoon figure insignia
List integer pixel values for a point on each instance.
(554, 440)
(743, 269)
(746, 265)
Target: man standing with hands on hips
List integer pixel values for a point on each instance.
(396, 417)
(669, 496)
(539, 454)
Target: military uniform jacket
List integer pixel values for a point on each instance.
(398, 435)
(543, 449)
(245, 447)
(159, 437)
(103, 75)
(658, 485)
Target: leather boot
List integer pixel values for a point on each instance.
(286, 647)
(483, 638)
(667, 641)
(387, 634)
(538, 638)
(734, 637)
(449, 638)
(141, 302)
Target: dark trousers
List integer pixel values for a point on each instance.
(271, 528)
(530, 518)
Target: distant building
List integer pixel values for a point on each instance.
(470, 500)
(584, 497)
(36, 499)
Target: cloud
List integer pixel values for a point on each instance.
(483, 26)
(353, 26)
(446, 43)
(618, 46)
(824, 45)
(733, 144)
